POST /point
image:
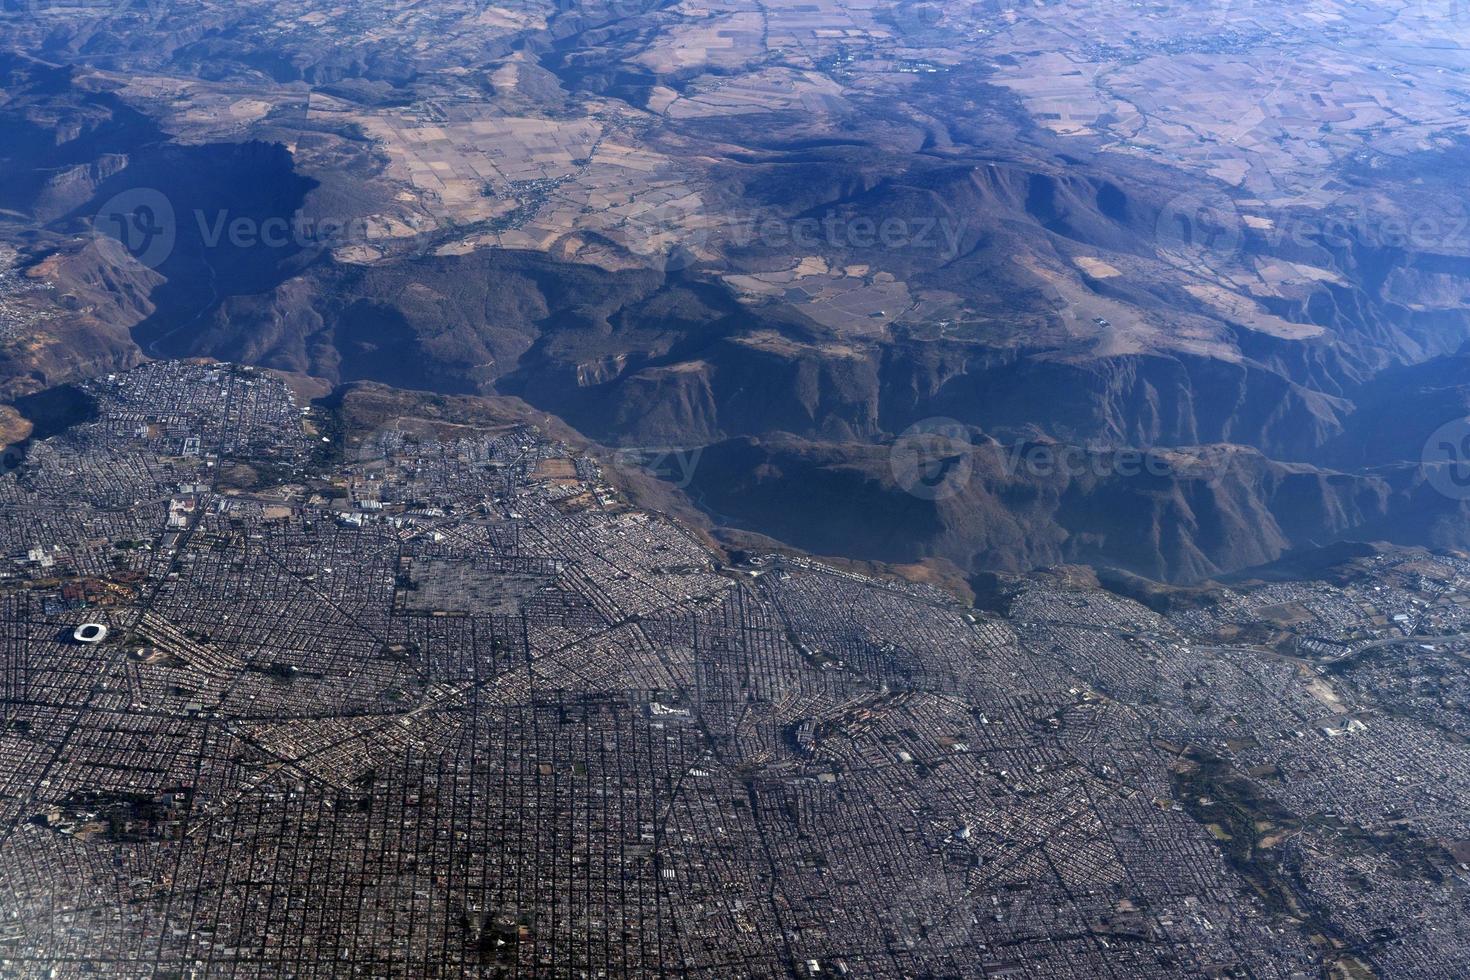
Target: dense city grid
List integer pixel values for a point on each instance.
(436, 701)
